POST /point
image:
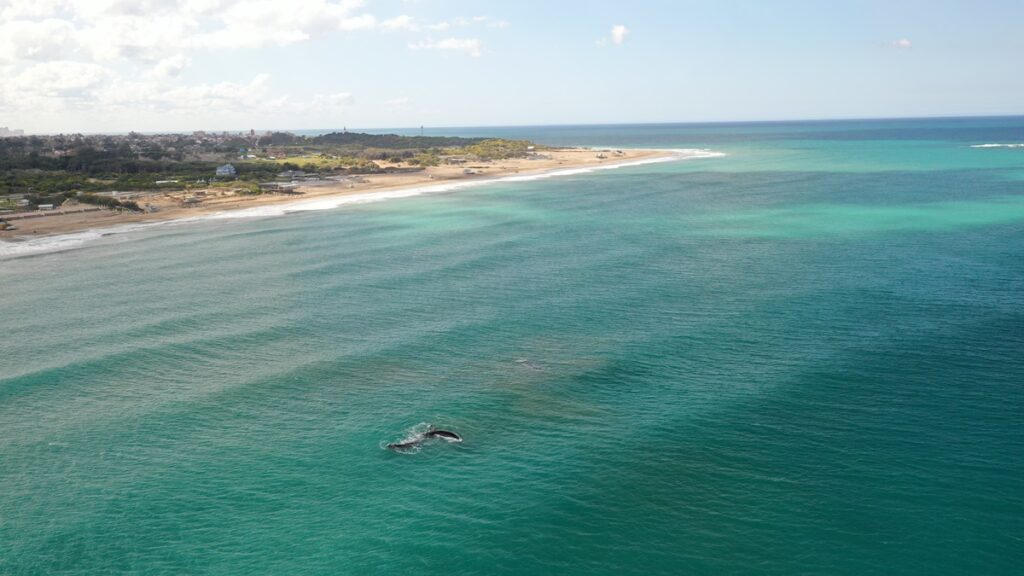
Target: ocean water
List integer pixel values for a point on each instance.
(806, 356)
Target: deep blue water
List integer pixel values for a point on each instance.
(804, 357)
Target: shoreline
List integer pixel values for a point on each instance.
(66, 232)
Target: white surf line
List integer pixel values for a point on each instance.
(330, 202)
(71, 240)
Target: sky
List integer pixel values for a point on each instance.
(182, 65)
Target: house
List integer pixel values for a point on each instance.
(279, 187)
(46, 206)
(226, 171)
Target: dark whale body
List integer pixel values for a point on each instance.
(446, 435)
(404, 445)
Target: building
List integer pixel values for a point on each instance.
(6, 132)
(226, 171)
(279, 187)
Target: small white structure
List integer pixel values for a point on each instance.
(226, 170)
(46, 206)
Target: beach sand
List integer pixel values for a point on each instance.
(76, 219)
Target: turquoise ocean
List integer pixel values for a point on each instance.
(803, 357)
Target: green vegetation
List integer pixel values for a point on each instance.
(357, 141)
(50, 169)
(498, 149)
(426, 159)
(107, 201)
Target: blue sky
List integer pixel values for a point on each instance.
(151, 65)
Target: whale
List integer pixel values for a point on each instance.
(446, 435)
(405, 445)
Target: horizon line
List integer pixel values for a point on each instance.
(528, 125)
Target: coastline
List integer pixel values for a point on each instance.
(61, 231)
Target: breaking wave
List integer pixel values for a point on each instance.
(73, 240)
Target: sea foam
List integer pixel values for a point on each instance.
(62, 242)
(997, 146)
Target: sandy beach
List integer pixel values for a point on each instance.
(169, 206)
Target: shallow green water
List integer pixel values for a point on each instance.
(782, 361)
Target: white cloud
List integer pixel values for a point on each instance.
(51, 87)
(619, 33)
(360, 22)
(122, 58)
(155, 29)
(331, 102)
(470, 46)
(272, 22)
(403, 22)
(170, 67)
(63, 88)
(49, 39)
(902, 43)
(617, 36)
(29, 9)
(132, 37)
(56, 79)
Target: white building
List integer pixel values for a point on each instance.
(226, 170)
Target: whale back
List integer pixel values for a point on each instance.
(446, 434)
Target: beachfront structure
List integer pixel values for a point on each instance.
(282, 187)
(226, 170)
